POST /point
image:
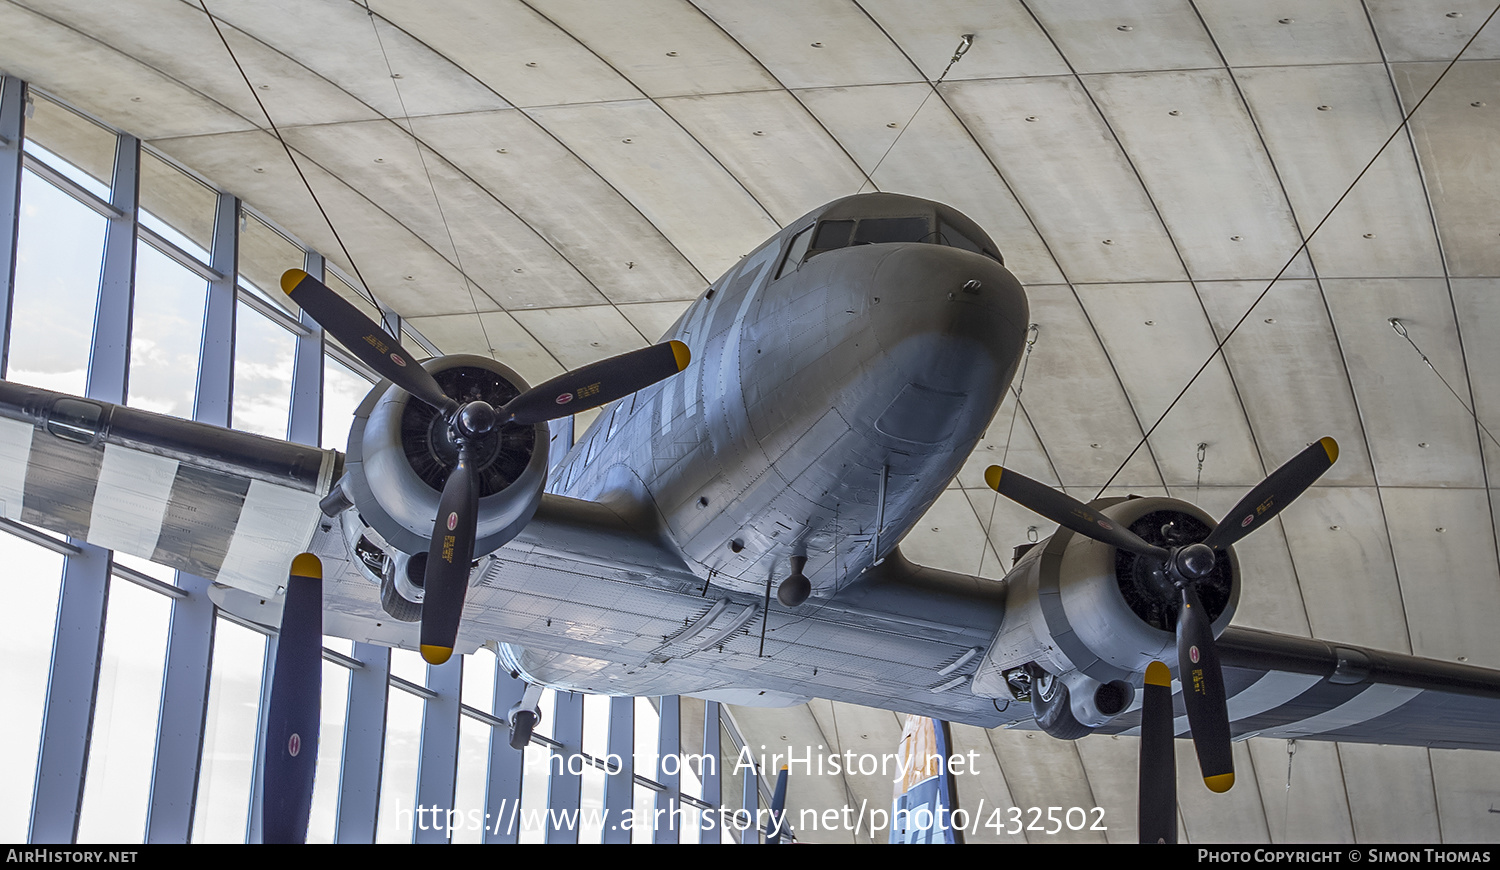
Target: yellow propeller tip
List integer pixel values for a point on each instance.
(1219, 784)
(681, 354)
(1331, 447)
(291, 279)
(992, 476)
(1158, 674)
(307, 565)
(436, 655)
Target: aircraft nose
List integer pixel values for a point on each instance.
(947, 318)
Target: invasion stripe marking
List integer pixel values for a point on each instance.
(275, 525)
(15, 451)
(1375, 701)
(131, 500)
(1272, 690)
(61, 477)
(200, 520)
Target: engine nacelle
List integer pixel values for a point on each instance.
(1096, 616)
(401, 450)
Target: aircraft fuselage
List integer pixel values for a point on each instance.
(830, 400)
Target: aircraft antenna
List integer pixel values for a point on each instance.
(1300, 248)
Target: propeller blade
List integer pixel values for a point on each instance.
(449, 559)
(1203, 693)
(1156, 819)
(1068, 512)
(778, 809)
(1277, 491)
(373, 345)
(291, 755)
(597, 383)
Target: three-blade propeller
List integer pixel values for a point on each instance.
(1197, 656)
(454, 530)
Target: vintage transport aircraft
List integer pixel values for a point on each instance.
(729, 526)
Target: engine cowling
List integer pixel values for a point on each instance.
(1094, 616)
(400, 451)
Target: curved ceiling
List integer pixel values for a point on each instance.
(551, 181)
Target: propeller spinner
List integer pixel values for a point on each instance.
(452, 546)
(1184, 565)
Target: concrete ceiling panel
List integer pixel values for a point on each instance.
(667, 176)
(1288, 32)
(1322, 124)
(1416, 30)
(1113, 768)
(1205, 170)
(1345, 569)
(1007, 40)
(400, 269)
(579, 336)
(1303, 796)
(664, 47)
(1270, 597)
(984, 793)
(1074, 398)
(654, 319)
(1290, 373)
(1390, 793)
(1062, 161)
(1237, 816)
(1128, 36)
(564, 201)
(1457, 132)
(507, 340)
(1009, 526)
(1465, 784)
(1477, 302)
(134, 96)
(511, 48)
(949, 536)
(177, 40)
(1445, 551)
(507, 260)
(773, 146)
(1157, 337)
(1040, 772)
(814, 43)
(1419, 434)
(381, 64)
(867, 122)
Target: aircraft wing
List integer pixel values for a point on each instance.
(228, 506)
(1288, 687)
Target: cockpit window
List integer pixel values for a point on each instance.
(834, 234)
(874, 231)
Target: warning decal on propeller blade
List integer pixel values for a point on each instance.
(396, 358)
(1106, 526)
(1249, 518)
(565, 398)
(452, 521)
(1193, 654)
(294, 744)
